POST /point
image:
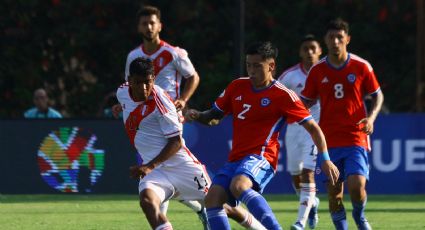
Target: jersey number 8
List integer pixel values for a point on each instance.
(339, 91)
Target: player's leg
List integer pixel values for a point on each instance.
(154, 190)
(307, 209)
(214, 201)
(301, 157)
(335, 192)
(243, 217)
(358, 174)
(150, 202)
(356, 185)
(254, 173)
(308, 186)
(336, 207)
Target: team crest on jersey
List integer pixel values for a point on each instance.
(265, 101)
(351, 78)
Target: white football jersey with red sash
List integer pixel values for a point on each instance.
(150, 123)
(170, 64)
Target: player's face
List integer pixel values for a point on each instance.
(149, 27)
(310, 52)
(258, 69)
(336, 42)
(141, 86)
(41, 100)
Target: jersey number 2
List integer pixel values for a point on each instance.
(246, 108)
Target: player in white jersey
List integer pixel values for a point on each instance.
(153, 126)
(300, 149)
(171, 64)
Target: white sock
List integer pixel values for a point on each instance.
(193, 204)
(251, 223)
(165, 226)
(164, 207)
(307, 199)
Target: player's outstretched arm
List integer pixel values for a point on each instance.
(209, 117)
(319, 140)
(173, 145)
(366, 124)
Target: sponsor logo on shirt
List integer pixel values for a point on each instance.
(239, 98)
(325, 80)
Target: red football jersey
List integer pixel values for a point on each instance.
(341, 92)
(258, 116)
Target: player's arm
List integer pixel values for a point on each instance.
(308, 103)
(376, 105)
(173, 145)
(189, 88)
(319, 140)
(209, 117)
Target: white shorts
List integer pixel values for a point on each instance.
(186, 181)
(300, 149)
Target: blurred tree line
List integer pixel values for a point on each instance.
(77, 49)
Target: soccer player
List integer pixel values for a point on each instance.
(41, 108)
(153, 126)
(171, 64)
(301, 153)
(341, 81)
(259, 106)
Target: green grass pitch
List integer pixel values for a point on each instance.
(122, 212)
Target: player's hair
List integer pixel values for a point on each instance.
(338, 24)
(265, 49)
(309, 38)
(141, 67)
(149, 10)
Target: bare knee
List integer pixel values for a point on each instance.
(356, 185)
(307, 176)
(240, 184)
(148, 201)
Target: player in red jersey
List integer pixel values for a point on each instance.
(341, 81)
(259, 106)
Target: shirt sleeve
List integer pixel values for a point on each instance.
(223, 102)
(293, 109)
(169, 118)
(370, 84)
(127, 67)
(310, 91)
(183, 64)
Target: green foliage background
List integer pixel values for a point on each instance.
(77, 49)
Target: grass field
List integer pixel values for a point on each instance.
(122, 212)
